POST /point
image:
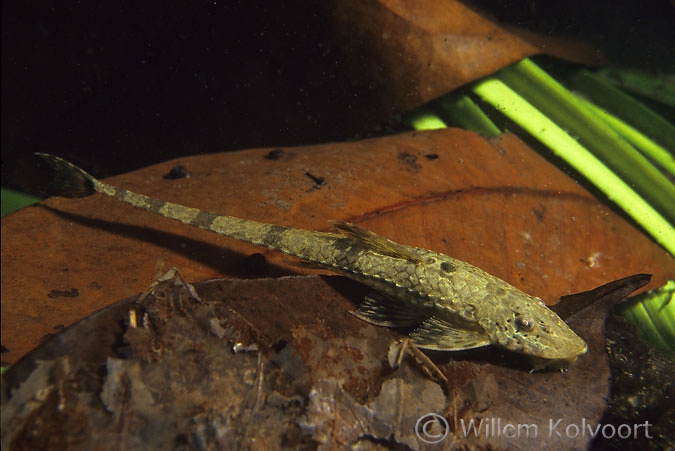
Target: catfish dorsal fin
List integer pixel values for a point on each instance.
(378, 243)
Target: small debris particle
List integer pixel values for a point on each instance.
(318, 181)
(241, 347)
(178, 172)
(216, 329)
(539, 214)
(133, 321)
(431, 156)
(593, 260)
(275, 154)
(409, 160)
(73, 293)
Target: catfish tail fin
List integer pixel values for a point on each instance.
(70, 181)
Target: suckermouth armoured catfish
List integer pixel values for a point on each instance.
(451, 304)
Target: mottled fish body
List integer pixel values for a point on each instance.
(451, 304)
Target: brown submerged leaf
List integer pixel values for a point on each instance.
(409, 53)
(607, 294)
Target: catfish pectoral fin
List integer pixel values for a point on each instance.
(440, 335)
(387, 311)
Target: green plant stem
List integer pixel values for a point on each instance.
(654, 311)
(463, 111)
(424, 118)
(650, 148)
(603, 94)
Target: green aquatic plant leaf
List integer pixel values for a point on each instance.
(561, 143)
(611, 152)
(654, 312)
(562, 107)
(14, 200)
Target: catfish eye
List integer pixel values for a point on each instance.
(524, 323)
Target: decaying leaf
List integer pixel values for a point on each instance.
(316, 376)
(405, 54)
(609, 294)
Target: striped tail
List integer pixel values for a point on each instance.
(71, 181)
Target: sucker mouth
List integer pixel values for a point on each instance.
(542, 364)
